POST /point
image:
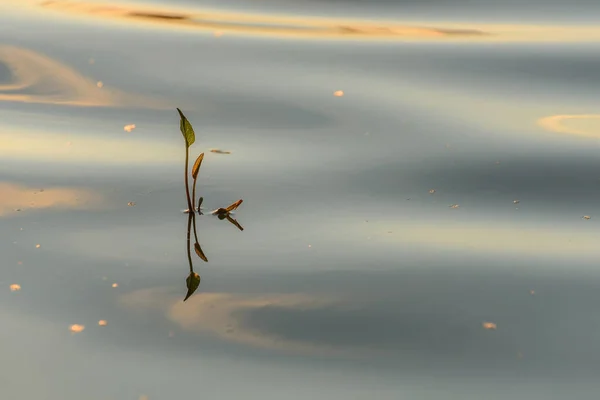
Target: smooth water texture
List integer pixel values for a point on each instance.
(421, 187)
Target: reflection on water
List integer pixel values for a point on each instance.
(582, 125)
(193, 279)
(31, 77)
(420, 199)
(254, 24)
(222, 315)
(308, 27)
(223, 213)
(15, 198)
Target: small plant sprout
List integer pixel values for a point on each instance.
(190, 137)
(193, 279)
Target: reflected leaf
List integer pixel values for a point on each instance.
(186, 130)
(196, 167)
(199, 251)
(192, 281)
(234, 205)
(234, 222)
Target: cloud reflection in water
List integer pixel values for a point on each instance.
(31, 77)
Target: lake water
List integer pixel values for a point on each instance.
(421, 186)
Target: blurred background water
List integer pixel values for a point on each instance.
(420, 179)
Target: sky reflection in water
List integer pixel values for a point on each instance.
(351, 279)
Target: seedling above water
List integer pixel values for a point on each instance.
(193, 279)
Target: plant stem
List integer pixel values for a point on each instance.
(194, 193)
(187, 186)
(189, 253)
(194, 225)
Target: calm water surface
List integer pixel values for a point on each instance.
(454, 187)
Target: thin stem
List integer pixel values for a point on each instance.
(194, 192)
(187, 186)
(189, 253)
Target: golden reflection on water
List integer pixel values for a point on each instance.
(35, 78)
(587, 125)
(494, 237)
(217, 314)
(67, 149)
(309, 27)
(16, 199)
(270, 25)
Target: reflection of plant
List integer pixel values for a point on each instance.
(193, 279)
(225, 213)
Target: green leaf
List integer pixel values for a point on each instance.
(196, 167)
(192, 281)
(186, 129)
